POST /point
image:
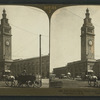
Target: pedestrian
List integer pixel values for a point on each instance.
(24, 72)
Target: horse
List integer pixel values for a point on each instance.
(9, 80)
(92, 78)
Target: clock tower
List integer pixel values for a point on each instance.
(5, 43)
(87, 38)
(87, 43)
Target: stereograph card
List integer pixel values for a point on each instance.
(49, 50)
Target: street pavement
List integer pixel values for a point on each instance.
(69, 87)
(45, 84)
(66, 83)
(70, 83)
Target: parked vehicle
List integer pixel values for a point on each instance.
(63, 76)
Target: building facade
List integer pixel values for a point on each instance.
(16, 66)
(31, 66)
(87, 63)
(59, 71)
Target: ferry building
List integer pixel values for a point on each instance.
(87, 63)
(7, 64)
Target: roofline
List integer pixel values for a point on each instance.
(59, 67)
(17, 60)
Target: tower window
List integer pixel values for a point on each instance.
(89, 30)
(7, 30)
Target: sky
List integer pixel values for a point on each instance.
(27, 24)
(65, 41)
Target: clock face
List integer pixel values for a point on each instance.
(7, 43)
(90, 42)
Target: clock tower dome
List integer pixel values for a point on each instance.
(87, 38)
(5, 43)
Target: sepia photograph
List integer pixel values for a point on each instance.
(49, 50)
(24, 47)
(75, 47)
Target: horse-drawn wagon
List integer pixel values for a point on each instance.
(9, 80)
(22, 81)
(28, 81)
(92, 80)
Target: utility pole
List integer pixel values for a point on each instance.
(40, 56)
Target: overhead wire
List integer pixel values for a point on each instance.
(21, 49)
(81, 17)
(28, 31)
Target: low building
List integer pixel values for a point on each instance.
(59, 71)
(31, 65)
(96, 68)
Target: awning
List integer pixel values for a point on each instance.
(69, 73)
(90, 70)
(7, 71)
